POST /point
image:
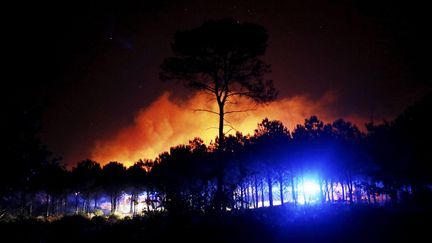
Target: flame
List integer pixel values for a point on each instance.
(167, 122)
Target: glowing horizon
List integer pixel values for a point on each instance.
(166, 123)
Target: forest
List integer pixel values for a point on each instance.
(316, 163)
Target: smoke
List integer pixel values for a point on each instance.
(168, 122)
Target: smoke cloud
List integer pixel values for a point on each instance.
(168, 122)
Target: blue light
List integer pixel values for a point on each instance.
(308, 191)
(310, 187)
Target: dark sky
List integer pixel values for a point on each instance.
(97, 63)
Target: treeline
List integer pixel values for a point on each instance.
(390, 163)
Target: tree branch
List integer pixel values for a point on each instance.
(237, 111)
(228, 122)
(206, 110)
(232, 128)
(228, 131)
(239, 94)
(208, 128)
(225, 91)
(231, 102)
(203, 86)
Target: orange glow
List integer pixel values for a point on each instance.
(166, 123)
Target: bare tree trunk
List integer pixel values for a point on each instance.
(147, 201)
(47, 197)
(322, 193)
(152, 202)
(251, 195)
(219, 197)
(241, 196)
(304, 193)
(331, 190)
(76, 203)
(350, 187)
(95, 203)
(84, 205)
(343, 191)
(327, 190)
(262, 193)
(131, 210)
(113, 203)
(294, 196)
(270, 187)
(256, 192)
(252, 188)
(247, 197)
(281, 188)
(88, 204)
(221, 124)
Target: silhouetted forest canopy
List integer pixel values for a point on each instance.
(316, 163)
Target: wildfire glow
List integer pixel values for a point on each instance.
(166, 123)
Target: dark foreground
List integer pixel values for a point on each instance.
(335, 223)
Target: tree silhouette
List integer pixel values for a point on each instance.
(235, 172)
(272, 139)
(113, 179)
(347, 140)
(24, 154)
(221, 58)
(136, 180)
(402, 150)
(172, 173)
(313, 149)
(51, 178)
(86, 175)
(200, 172)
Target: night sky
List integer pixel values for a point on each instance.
(97, 64)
